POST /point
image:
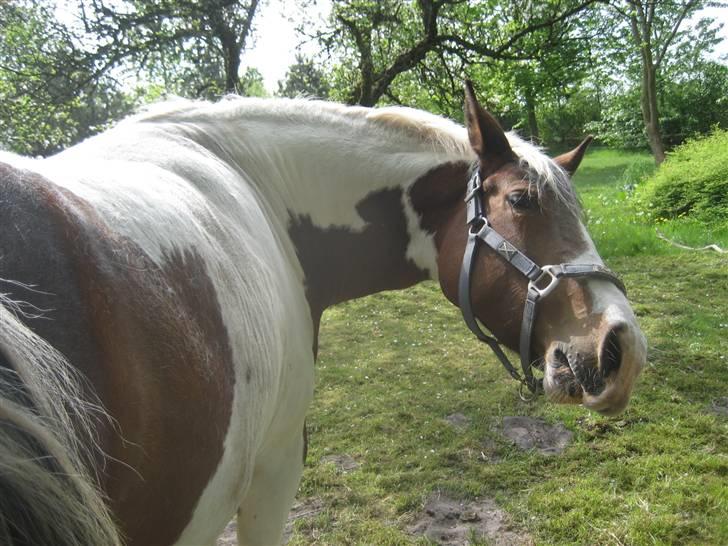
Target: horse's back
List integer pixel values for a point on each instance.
(174, 319)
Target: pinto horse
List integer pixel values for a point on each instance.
(163, 284)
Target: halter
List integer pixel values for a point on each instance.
(541, 282)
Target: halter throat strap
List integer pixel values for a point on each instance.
(541, 282)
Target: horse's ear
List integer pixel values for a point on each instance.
(485, 133)
(570, 160)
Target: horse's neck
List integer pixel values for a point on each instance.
(339, 190)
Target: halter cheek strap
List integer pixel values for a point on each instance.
(541, 281)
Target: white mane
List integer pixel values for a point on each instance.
(421, 129)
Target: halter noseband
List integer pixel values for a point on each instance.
(541, 281)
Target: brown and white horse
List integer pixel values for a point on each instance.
(173, 272)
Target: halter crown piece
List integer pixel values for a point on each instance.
(541, 282)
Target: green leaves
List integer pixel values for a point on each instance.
(51, 97)
(305, 78)
(378, 43)
(692, 182)
(193, 47)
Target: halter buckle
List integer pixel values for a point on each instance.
(547, 272)
(474, 186)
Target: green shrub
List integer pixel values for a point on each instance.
(693, 182)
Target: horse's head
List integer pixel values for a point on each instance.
(584, 334)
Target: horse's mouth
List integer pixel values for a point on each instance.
(561, 382)
(570, 380)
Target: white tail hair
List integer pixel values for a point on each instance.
(49, 493)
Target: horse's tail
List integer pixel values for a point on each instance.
(48, 490)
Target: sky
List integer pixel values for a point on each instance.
(276, 40)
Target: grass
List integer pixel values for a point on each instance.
(392, 366)
(606, 182)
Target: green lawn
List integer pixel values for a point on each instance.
(605, 181)
(393, 365)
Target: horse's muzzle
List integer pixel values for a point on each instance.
(598, 373)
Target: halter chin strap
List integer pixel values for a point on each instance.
(541, 282)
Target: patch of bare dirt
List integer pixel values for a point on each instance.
(719, 406)
(458, 421)
(533, 433)
(450, 522)
(343, 463)
(302, 509)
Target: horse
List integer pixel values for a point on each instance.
(163, 284)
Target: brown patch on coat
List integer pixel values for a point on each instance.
(156, 352)
(438, 195)
(340, 264)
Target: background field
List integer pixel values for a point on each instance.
(394, 365)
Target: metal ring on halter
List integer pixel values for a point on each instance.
(546, 271)
(532, 394)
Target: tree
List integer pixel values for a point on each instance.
(379, 41)
(304, 78)
(527, 88)
(49, 93)
(194, 46)
(653, 29)
(251, 83)
(694, 101)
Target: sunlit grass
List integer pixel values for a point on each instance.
(605, 182)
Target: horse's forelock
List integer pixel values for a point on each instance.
(545, 175)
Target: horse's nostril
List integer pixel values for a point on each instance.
(610, 357)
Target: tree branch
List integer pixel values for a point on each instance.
(689, 5)
(713, 247)
(550, 23)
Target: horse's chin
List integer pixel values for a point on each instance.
(561, 387)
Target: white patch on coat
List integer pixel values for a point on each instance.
(608, 301)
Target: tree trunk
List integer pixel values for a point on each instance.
(232, 67)
(650, 112)
(531, 112)
(648, 88)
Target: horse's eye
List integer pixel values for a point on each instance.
(522, 200)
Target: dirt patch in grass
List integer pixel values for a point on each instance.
(719, 406)
(451, 522)
(458, 421)
(533, 433)
(343, 463)
(303, 509)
